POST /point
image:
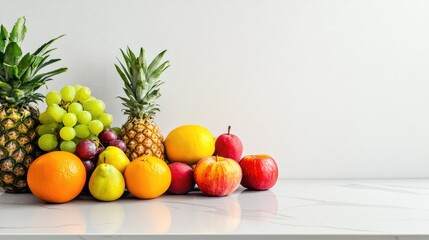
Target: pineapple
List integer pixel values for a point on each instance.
(142, 88)
(19, 79)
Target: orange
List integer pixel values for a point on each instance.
(56, 177)
(147, 177)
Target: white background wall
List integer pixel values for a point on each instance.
(331, 88)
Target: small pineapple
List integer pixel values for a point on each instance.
(19, 79)
(142, 88)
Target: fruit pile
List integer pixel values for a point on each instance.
(84, 150)
(220, 169)
(214, 165)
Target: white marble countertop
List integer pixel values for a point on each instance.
(378, 207)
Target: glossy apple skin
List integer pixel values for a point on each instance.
(182, 178)
(229, 146)
(260, 172)
(217, 176)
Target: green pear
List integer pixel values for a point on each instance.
(106, 183)
(114, 156)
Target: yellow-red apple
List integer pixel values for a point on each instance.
(260, 172)
(217, 176)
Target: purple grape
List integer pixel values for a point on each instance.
(86, 149)
(89, 167)
(100, 149)
(107, 135)
(119, 143)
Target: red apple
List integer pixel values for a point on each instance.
(229, 146)
(217, 176)
(182, 178)
(260, 172)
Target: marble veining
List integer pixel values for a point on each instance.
(380, 188)
(380, 207)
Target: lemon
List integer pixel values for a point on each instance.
(189, 144)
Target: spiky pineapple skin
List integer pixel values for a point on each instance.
(142, 137)
(18, 146)
(20, 79)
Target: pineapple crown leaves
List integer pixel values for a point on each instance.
(141, 82)
(19, 74)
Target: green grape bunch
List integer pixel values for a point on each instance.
(71, 115)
